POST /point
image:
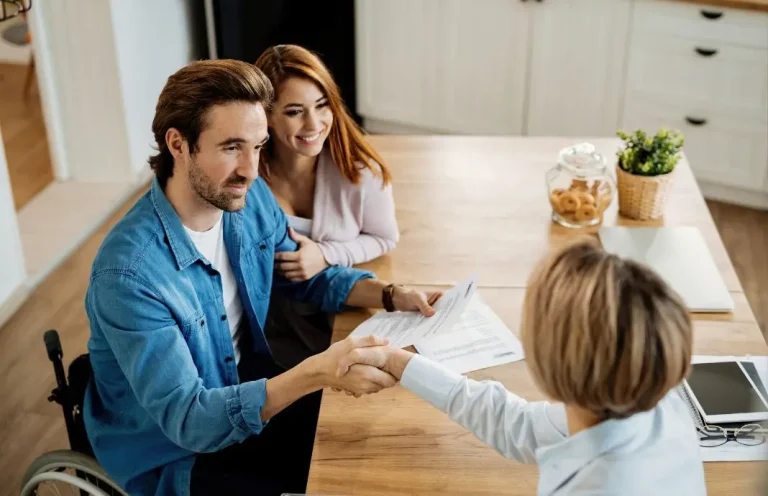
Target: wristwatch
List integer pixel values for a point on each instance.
(386, 298)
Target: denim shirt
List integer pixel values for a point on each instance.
(165, 383)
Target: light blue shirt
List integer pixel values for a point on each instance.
(650, 453)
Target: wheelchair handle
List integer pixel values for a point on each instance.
(53, 345)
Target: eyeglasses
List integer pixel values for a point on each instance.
(711, 436)
(12, 8)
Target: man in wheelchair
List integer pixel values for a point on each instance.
(185, 397)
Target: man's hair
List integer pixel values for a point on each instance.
(602, 333)
(190, 93)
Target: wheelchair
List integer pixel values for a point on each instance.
(74, 471)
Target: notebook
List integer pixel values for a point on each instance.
(680, 256)
(750, 366)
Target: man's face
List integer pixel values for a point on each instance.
(227, 158)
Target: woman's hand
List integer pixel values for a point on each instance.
(359, 377)
(302, 264)
(409, 300)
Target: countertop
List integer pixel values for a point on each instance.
(756, 5)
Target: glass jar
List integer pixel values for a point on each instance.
(580, 186)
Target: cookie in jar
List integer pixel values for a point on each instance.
(580, 187)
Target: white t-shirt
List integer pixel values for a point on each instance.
(211, 245)
(301, 225)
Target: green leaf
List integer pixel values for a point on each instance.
(650, 155)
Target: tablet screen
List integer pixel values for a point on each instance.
(722, 389)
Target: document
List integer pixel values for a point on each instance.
(478, 341)
(406, 328)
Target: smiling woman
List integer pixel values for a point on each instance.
(333, 186)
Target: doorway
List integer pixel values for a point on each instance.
(21, 116)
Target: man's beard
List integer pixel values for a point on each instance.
(214, 194)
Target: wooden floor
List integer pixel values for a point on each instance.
(745, 235)
(24, 137)
(29, 425)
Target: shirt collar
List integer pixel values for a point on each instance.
(183, 249)
(561, 461)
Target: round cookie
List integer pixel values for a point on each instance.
(568, 202)
(585, 198)
(586, 213)
(579, 185)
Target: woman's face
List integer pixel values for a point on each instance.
(301, 118)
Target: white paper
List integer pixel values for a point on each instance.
(478, 341)
(733, 451)
(406, 328)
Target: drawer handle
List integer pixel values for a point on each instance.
(695, 121)
(706, 52)
(711, 14)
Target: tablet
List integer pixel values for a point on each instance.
(722, 391)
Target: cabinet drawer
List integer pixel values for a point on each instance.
(726, 78)
(724, 150)
(739, 27)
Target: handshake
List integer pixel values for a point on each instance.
(360, 365)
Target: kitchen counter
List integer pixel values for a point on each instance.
(757, 5)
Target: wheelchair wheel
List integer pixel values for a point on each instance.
(67, 472)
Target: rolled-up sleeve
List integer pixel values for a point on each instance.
(152, 354)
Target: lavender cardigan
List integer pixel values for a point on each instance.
(353, 223)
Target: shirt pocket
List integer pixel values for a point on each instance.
(194, 330)
(259, 267)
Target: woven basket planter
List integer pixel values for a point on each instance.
(642, 197)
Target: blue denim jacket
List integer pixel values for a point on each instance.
(165, 384)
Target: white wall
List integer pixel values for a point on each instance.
(108, 62)
(12, 272)
(152, 41)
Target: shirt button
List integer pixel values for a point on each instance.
(228, 359)
(263, 246)
(223, 317)
(202, 322)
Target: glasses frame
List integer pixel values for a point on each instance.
(715, 433)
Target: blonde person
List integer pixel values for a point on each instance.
(332, 185)
(607, 341)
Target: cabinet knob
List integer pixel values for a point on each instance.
(695, 121)
(706, 52)
(711, 14)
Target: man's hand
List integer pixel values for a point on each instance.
(390, 360)
(410, 300)
(302, 264)
(358, 379)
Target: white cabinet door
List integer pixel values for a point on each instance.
(444, 65)
(481, 58)
(577, 67)
(395, 59)
(721, 149)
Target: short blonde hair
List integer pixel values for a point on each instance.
(602, 333)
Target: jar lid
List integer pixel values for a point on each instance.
(582, 158)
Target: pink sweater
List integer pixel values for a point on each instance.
(352, 223)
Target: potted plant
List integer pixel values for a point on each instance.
(644, 172)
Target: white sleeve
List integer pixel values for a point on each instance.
(511, 425)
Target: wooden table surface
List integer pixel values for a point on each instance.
(477, 204)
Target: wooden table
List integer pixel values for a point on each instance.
(476, 204)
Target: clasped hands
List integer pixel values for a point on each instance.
(362, 365)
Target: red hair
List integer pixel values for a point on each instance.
(345, 140)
